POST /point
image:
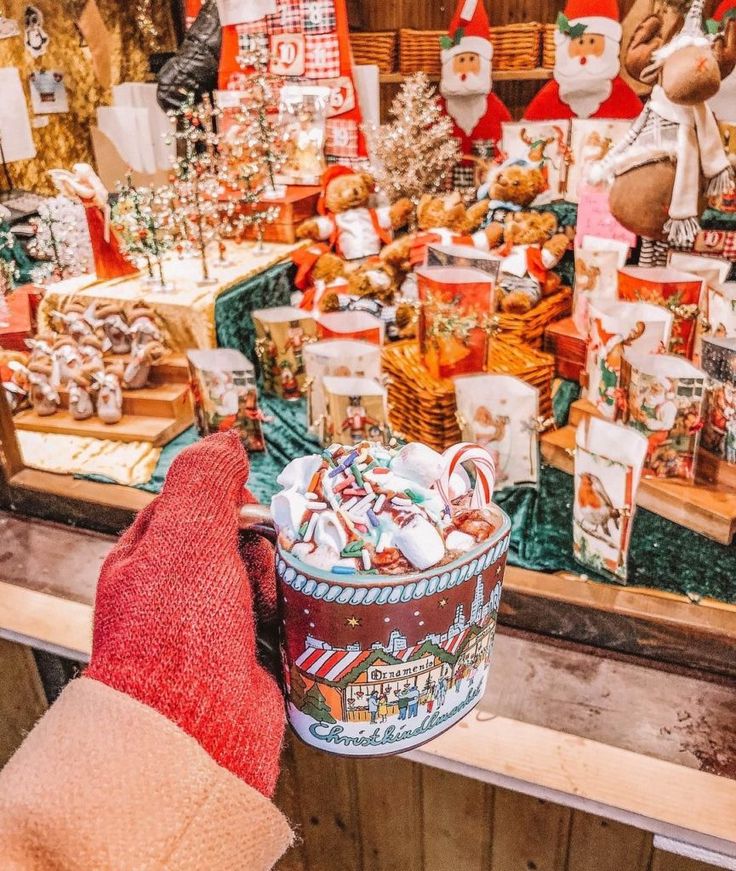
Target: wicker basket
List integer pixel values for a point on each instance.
(377, 48)
(423, 408)
(528, 329)
(515, 47)
(549, 50)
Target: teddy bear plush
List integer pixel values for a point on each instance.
(442, 220)
(345, 219)
(513, 186)
(531, 246)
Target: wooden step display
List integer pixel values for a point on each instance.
(710, 468)
(706, 508)
(155, 414)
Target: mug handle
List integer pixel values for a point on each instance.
(257, 518)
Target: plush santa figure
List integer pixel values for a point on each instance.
(724, 102)
(586, 80)
(466, 80)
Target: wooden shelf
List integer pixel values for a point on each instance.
(538, 74)
(158, 431)
(708, 509)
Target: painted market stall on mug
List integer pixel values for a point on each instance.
(489, 223)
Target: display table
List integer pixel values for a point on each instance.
(555, 724)
(187, 313)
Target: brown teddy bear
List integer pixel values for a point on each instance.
(531, 247)
(355, 230)
(443, 220)
(514, 185)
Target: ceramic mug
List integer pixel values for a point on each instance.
(381, 665)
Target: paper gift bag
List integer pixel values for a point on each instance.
(336, 358)
(282, 333)
(455, 319)
(501, 414)
(359, 325)
(597, 262)
(226, 395)
(464, 256)
(608, 467)
(719, 430)
(615, 327)
(678, 292)
(663, 399)
(714, 272)
(719, 311)
(355, 411)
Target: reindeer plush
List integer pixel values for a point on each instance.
(81, 405)
(673, 157)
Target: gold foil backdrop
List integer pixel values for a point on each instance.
(135, 30)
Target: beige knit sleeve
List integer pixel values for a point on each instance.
(104, 782)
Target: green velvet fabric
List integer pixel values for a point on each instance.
(232, 310)
(16, 253)
(564, 393)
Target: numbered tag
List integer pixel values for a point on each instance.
(342, 96)
(287, 54)
(710, 242)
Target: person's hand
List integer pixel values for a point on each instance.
(175, 623)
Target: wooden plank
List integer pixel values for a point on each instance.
(127, 499)
(662, 861)
(457, 822)
(45, 621)
(653, 624)
(698, 854)
(328, 813)
(169, 399)
(22, 700)
(288, 800)
(528, 833)
(708, 509)
(606, 845)
(588, 775)
(389, 794)
(156, 430)
(535, 75)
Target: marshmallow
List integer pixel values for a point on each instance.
(460, 541)
(418, 463)
(420, 543)
(287, 509)
(299, 472)
(323, 557)
(329, 532)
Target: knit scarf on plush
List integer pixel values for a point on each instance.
(699, 150)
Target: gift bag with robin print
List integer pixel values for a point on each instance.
(355, 411)
(608, 467)
(615, 327)
(501, 414)
(336, 358)
(282, 333)
(719, 430)
(663, 399)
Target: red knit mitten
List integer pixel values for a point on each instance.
(174, 623)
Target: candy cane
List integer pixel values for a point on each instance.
(485, 473)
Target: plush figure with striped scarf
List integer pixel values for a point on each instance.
(673, 156)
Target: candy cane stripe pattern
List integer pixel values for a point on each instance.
(485, 473)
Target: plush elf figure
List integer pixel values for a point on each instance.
(466, 82)
(586, 81)
(724, 102)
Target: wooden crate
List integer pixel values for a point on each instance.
(568, 347)
(515, 47)
(297, 205)
(528, 329)
(378, 48)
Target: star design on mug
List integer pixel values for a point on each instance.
(353, 622)
(442, 603)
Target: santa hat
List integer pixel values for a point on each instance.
(328, 175)
(597, 16)
(725, 7)
(469, 31)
